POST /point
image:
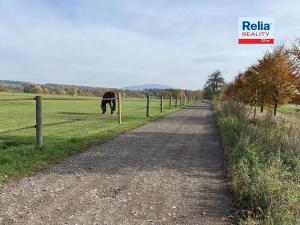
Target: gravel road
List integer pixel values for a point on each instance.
(170, 171)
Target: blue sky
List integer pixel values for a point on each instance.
(116, 43)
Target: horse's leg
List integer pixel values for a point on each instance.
(111, 110)
(114, 105)
(103, 106)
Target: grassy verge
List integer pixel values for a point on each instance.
(18, 155)
(290, 109)
(264, 167)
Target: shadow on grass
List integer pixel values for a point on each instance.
(78, 113)
(9, 141)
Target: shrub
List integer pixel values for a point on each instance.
(236, 109)
(264, 166)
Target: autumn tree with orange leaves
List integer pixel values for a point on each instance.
(272, 81)
(282, 76)
(295, 53)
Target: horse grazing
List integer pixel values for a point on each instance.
(108, 98)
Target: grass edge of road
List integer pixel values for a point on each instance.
(36, 159)
(263, 169)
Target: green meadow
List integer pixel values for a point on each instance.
(88, 126)
(290, 109)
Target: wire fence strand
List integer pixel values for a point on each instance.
(15, 99)
(69, 121)
(71, 99)
(17, 129)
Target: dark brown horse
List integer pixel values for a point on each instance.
(109, 98)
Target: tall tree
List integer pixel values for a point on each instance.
(295, 53)
(260, 81)
(282, 75)
(214, 84)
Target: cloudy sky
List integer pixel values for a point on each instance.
(116, 43)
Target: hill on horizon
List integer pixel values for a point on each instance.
(147, 86)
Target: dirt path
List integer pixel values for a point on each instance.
(166, 172)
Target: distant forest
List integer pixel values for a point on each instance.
(75, 90)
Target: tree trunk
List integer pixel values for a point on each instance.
(262, 108)
(255, 103)
(262, 104)
(275, 108)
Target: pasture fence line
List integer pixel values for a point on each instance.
(39, 125)
(15, 99)
(17, 129)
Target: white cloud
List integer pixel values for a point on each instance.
(119, 43)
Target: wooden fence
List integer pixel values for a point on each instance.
(178, 102)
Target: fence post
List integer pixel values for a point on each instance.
(180, 101)
(176, 101)
(119, 108)
(161, 103)
(170, 102)
(148, 106)
(39, 122)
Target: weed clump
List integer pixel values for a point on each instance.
(264, 165)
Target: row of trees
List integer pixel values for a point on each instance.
(58, 89)
(73, 90)
(172, 92)
(273, 80)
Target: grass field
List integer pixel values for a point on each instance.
(287, 112)
(18, 155)
(290, 109)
